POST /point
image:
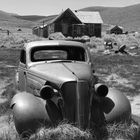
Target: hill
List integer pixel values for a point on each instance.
(13, 20)
(32, 18)
(10, 20)
(128, 17)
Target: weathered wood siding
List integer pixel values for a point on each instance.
(86, 29)
(38, 31)
(97, 30)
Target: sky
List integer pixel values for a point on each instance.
(51, 7)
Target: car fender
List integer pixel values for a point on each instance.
(116, 106)
(29, 112)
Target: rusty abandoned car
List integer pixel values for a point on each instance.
(57, 83)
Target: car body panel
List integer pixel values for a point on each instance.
(118, 106)
(59, 73)
(28, 110)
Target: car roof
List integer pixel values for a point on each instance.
(30, 45)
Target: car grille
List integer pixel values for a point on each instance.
(76, 98)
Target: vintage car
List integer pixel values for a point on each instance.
(56, 82)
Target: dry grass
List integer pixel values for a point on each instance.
(116, 131)
(123, 131)
(16, 39)
(7, 129)
(131, 41)
(120, 71)
(62, 132)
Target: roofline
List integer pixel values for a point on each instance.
(61, 14)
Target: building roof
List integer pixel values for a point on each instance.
(115, 27)
(81, 16)
(41, 26)
(89, 17)
(62, 13)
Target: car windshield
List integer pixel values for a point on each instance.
(46, 53)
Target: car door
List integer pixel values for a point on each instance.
(22, 71)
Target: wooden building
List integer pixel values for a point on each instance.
(37, 30)
(92, 22)
(115, 30)
(73, 23)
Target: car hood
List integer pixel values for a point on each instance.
(59, 73)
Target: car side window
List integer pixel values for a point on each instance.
(23, 57)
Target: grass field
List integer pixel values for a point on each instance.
(120, 71)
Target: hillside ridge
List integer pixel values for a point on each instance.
(127, 17)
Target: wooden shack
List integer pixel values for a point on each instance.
(115, 30)
(37, 31)
(40, 31)
(63, 23)
(75, 24)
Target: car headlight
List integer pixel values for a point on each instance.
(47, 92)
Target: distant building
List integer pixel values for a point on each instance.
(38, 30)
(115, 30)
(72, 23)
